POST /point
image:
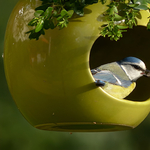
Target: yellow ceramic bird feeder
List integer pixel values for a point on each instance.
(50, 79)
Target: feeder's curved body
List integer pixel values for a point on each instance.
(50, 79)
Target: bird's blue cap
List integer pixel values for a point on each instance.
(132, 60)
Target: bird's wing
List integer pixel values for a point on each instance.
(106, 76)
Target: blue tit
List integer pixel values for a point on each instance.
(119, 78)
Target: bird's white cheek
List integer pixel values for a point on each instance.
(135, 75)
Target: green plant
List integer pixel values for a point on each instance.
(120, 15)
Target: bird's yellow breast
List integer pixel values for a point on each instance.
(118, 91)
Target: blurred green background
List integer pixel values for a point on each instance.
(17, 134)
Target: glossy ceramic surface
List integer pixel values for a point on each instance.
(50, 79)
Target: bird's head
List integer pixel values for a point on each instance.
(134, 68)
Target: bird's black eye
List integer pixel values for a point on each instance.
(137, 67)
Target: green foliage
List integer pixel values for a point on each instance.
(113, 31)
(148, 25)
(55, 13)
(120, 15)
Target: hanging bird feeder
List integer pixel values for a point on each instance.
(50, 79)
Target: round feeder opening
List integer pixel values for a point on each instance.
(135, 43)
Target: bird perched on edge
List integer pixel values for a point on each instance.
(119, 78)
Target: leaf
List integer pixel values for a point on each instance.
(34, 35)
(62, 24)
(38, 13)
(148, 25)
(141, 2)
(118, 17)
(133, 5)
(64, 13)
(143, 7)
(113, 10)
(39, 26)
(104, 25)
(48, 12)
(122, 27)
(70, 13)
(33, 22)
(59, 18)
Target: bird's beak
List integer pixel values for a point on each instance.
(147, 73)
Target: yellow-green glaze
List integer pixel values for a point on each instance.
(50, 79)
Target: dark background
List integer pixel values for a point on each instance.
(17, 134)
